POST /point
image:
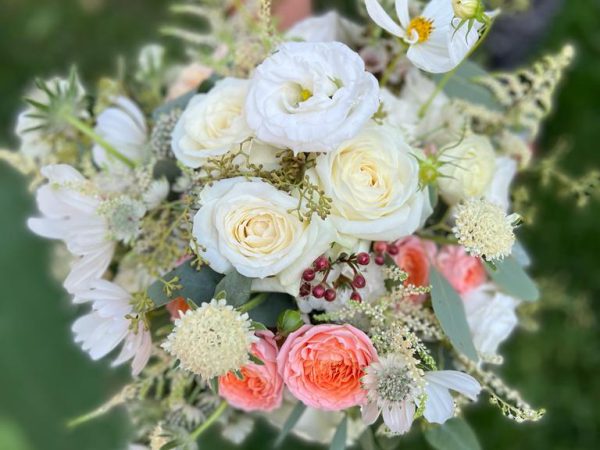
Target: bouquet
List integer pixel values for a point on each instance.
(314, 227)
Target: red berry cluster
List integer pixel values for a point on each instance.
(381, 248)
(321, 268)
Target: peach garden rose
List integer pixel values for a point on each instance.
(261, 388)
(322, 365)
(414, 257)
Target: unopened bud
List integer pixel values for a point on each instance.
(467, 9)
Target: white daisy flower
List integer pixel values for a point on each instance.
(70, 214)
(107, 326)
(124, 127)
(395, 388)
(435, 45)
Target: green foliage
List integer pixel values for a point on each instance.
(510, 277)
(450, 312)
(339, 438)
(455, 434)
(289, 321)
(236, 288)
(290, 422)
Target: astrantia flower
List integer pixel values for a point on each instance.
(310, 97)
(434, 44)
(70, 213)
(108, 325)
(124, 127)
(211, 340)
(395, 387)
(484, 229)
(123, 215)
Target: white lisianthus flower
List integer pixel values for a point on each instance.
(434, 44)
(70, 213)
(491, 317)
(326, 28)
(124, 127)
(106, 326)
(247, 225)
(373, 181)
(310, 97)
(212, 123)
(467, 170)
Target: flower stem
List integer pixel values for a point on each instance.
(85, 129)
(206, 425)
(253, 303)
(448, 76)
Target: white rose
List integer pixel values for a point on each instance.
(212, 123)
(310, 97)
(247, 225)
(491, 317)
(373, 180)
(326, 28)
(468, 169)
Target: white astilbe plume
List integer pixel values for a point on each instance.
(484, 230)
(211, 340)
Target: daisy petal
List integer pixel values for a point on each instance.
(381, 18)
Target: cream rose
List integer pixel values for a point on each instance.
(468, 169)
(247, 225)
(373, 180)
(212, 123)
(310, 97)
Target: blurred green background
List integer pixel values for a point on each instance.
(45, 379)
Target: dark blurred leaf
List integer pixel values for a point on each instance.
(236, 287)
(197, 285)
(462, 86)
(290, 422)
(268, 311)
(450, 311)
(455, 434)
(513, 280)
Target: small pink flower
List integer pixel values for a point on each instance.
(463, 271)
(322, 365)
(414, 257)
(188, 79)
(261, 388)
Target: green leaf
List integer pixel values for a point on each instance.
(236, 288)
(257, 326)
(173, 444)
(290, 422)
(455, 434)
(255, 359)
(289, 321)
(513, 280)
(177, 103)
(197, 285)
(268, 311)
(213, 384)
(462, 86)
(367, 440)
(339, 438)
(450, 311)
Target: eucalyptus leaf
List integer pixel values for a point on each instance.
(462, 86)
(450, 311)
(290, 422)
(339, 438)
(196, 284)
(455, 434)
(236, 288)
(268, 311)
(512, 279)
(177, 103)
(367, 440)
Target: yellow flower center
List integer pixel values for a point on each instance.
(422, 26)
(305, 94)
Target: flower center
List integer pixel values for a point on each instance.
(422, 26)
(394, 384)
(305, 94)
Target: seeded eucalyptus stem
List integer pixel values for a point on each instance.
(256, 301)
(448, 76)
(206, 425)
(85, 129)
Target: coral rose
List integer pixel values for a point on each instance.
(463, 271)
(261, 388)
(322, 365)
(415, 257)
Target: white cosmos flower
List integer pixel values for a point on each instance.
(212, 123)
(105, 327)
(124, 127)
(70, 214)
(373, 180)
(434, 44)
(491, 316)
(395, 387)
(310, 97)
(247, 225)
